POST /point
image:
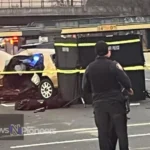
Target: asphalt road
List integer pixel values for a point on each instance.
(74, 128)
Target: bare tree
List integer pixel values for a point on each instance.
(125, 7)
(71, 2)
(143, 6)
(68, 3)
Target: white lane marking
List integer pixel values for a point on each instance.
(139, 124)
(147, 79)
(60, 131)
(54, 143)
(47, 124)
(69, 141)
(12, 105)
(134, 104)
(89, 131)
(8, 105)
(141, 148)
(94, 132)
(140, 135)
(27, 123)
(81, 129)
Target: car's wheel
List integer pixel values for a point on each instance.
(46, 89)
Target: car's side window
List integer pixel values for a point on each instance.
(53, 58)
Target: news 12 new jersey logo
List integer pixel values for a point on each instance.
(15, 129)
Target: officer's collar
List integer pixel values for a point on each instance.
(101, 57)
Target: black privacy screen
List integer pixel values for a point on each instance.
(126, 51)
(128, 54)
(66, 56)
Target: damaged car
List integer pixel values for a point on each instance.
(41, 84)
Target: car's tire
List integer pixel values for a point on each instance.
(46, 89)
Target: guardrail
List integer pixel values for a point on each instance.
(94, 21)
(40, 3)
(56, 25)
(88, 21)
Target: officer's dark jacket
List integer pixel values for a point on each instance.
(103, 79)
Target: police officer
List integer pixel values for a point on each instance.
(112, 136)
(104, 78)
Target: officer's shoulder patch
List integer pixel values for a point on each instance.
(119, 66)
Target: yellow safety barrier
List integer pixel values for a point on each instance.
(132, 68)
(44, 71)
(27, 72)
(136, 68)
(93, 44)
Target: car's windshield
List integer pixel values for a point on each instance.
(38, 45)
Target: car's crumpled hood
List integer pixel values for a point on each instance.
(48, 63)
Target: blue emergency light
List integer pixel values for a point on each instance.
(32, 61)
(36, 58)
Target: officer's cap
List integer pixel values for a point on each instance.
(101, 48)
